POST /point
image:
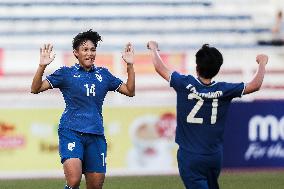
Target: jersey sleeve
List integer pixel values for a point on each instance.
(56, 79)
(114, 82)
(175, 80)
(234, 90)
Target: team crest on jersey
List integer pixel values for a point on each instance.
(99, 77)
(71, 146)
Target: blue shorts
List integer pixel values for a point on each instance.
(199, 171)
(90, 148)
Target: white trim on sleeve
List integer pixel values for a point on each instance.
(118, 86)
(171, 77)
(245, 85)
(49, 82)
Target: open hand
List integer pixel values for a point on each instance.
(45, 55)
(128, 54)
(152, 45)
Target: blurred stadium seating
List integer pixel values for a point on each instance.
(179, 26)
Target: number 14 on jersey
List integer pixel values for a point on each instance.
(90, 90)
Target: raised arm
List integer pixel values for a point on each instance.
(277, 27)
(159, 65)
(39, 85)
(128, 89)
(256, 82)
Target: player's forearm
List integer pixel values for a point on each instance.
(159, 65)
(130, 83)
(256, 82)
(37, 80)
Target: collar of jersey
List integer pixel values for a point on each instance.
(210, 84)
(79, 67)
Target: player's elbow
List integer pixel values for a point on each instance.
(34, 91)
(131, 91)
(257, 86)
(250, 88)
(158, 68)
(255, 89)
(131, 94)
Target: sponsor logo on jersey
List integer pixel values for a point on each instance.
(99, 77)
(71, 146)
(76, 76)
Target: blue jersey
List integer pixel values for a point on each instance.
(84, 93)
(201, 112)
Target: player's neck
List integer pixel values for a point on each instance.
(85, 68)
(205, 81)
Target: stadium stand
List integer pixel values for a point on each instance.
(188, 23)
(179, 26)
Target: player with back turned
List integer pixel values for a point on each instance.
(202, 105)
(82, 144)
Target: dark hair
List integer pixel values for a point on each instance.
(85, 36)
(279, 14)
(208, 61)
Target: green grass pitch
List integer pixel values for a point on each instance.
(228, 180)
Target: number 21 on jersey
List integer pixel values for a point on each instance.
(191, 116)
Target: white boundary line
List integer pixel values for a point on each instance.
(10, 175)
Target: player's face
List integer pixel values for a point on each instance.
(86, 54)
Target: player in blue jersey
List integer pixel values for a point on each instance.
(202, 105)
(82, 144)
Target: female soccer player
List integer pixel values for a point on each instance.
(82, 144)
(202, 105)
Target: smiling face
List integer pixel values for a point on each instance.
(86, 54)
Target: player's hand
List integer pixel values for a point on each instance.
(45, 55)
(262, 59)
(128, 54)
(152, 45)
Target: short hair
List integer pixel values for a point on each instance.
(279, 14)
(208, 61)
(82, 37)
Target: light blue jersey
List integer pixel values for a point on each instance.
(84, 93)
(201, 112)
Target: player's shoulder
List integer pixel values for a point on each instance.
(180, 81)
(68, 68)
(71, 69)
(223, 83)
(182, 76)
(229, 85)
(63, 69)
(102, 70)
